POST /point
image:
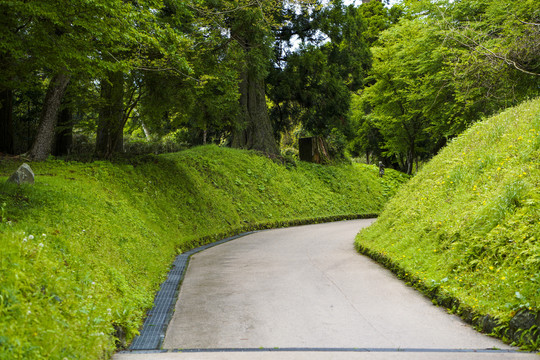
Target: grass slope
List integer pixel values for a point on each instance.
(83, 251)
(466, 229)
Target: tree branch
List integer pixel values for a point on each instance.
(489, 53)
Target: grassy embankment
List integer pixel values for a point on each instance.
(466, 229)
(83, 251)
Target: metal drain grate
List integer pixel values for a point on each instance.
(158, 318)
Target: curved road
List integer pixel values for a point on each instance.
(305, 293)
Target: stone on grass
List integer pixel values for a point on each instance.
(23, 175)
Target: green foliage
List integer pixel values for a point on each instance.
(445, 65)
(312, 86)
(79, 34)
(378, 18)
(466, 227)
(84, 250)
(85, 41)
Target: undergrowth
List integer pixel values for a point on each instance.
(84, 250)
(466, 229)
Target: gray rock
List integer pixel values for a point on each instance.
(523, 320)
(488, 324)
(519, 326)
(23, 175)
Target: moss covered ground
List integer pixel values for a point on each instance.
(83, 251)
(466, 229)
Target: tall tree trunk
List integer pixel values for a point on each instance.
(110, 130)
(256, 129)
(64, 133)
(42, 146)
(7, 144)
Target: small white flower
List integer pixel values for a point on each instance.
(31, 237)
(40, 245)
(28, 312)
(93, 283)
(44, 235)
(83, 230)
(24, 240)
(109, 311)
(9, 222)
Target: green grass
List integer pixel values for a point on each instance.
(83, 251)
(466, 229)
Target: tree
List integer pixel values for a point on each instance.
(43, 143)
(86, 36)
(249, 26)
(312, 85)
(445, 65)
(378, 18)
(497, 32)
(405, 73)
(367, 139)
(254, 130)
(111, 115)
(201, 106)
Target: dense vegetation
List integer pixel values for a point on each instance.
(392, 84)
(466, 228)
(84, 249)
(99, 78)
(442, 67)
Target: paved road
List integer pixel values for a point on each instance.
(303, 290)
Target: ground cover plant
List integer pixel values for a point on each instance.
(83, 251)
(466, 229)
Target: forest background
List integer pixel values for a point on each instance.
(95, 79)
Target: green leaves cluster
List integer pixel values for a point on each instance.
(84, 38)
(311, 86)
(444, 66)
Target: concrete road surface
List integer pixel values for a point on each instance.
(305, 293)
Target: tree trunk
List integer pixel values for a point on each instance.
(42, 146)
(6, 122)
(313, 149)
(109, 139)
(64, 133)
(145, 131)
(256, 131)
(410, 159)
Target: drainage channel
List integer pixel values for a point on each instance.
(155, 325)
(300, 349)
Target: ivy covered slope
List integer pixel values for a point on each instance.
(466, 229)
(83, 251)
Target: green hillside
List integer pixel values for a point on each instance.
(83, 251)
(466, 229)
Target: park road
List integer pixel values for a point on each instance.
(305, 293)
